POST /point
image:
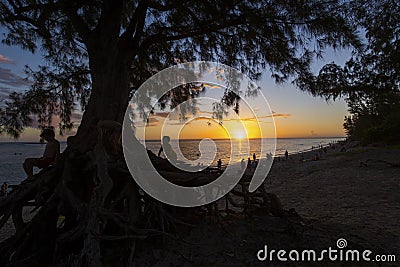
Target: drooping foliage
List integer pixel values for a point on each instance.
(370, 80)
(80, 39)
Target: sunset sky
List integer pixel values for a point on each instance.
(296, 113)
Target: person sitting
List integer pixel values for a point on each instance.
(167, 149)
(50, 155)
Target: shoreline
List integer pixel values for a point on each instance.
(312, 149)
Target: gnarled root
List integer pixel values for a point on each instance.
(84, 207)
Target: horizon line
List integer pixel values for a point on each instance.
(195, 139)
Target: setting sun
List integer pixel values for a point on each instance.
(239, 134)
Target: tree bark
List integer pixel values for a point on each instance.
(109, 67)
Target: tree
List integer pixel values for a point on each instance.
(101, 45)
(99, 53)
(370, 79)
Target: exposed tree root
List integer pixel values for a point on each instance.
(89, 211)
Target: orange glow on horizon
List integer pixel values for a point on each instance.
(204, 128)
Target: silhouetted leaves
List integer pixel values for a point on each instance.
(370, 80)
(81, 38)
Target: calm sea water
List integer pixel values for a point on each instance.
(190, 148)
(12, 154)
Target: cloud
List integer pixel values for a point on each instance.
(212, 86)
(276, 115)
(5, 92)
(7, 77)
(284, 115)
(253, 119)
(76, 118)
(162, 114)
(152, 121)
(4, 59)
(179, 123)
(199, 111)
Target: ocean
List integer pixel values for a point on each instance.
(13, 154)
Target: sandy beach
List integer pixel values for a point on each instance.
(352, 195)
(355, 191)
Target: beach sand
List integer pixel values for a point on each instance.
(355, 188)
(336, 196)
(352, 195)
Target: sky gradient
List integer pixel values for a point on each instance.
(297, 114)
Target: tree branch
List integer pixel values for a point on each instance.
(191, 32)
(38, 23)
(81, 27)
(166, 7)
(136, 23)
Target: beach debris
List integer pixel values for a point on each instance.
(362, 164)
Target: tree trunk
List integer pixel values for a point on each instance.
(109, 95)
